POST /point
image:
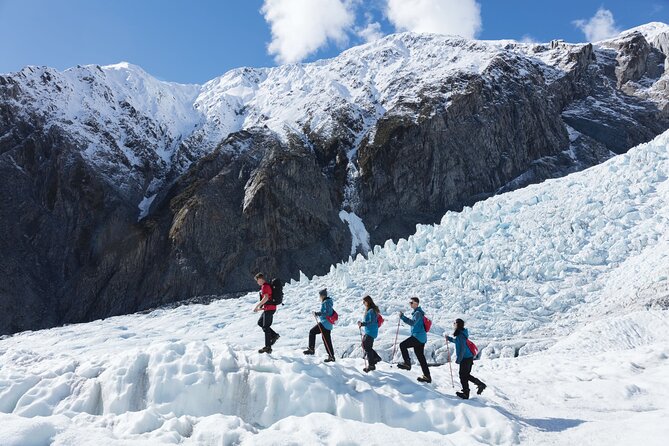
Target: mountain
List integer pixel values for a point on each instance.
(563, 285)
(122, 192)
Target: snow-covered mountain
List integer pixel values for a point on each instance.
(564, 285)
(124, 191)
(115, 110)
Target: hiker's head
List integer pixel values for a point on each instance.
(323, 294)
(260, 279)
(368, 302)
(413, 302)
(459, 324)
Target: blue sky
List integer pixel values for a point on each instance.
(192, 41)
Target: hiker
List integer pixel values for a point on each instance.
(371, 324)
(416, 341)
(268, 309)
(324, 327)
(465, 358)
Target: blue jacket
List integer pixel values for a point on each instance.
(371, 324)
(417, 326)
(461, 349)
(326, 310)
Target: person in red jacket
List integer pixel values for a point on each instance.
(268, 309)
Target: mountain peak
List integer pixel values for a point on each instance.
(651, 31)
(124, 66)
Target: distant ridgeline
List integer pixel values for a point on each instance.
(122, 192)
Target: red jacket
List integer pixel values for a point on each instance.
(267, 289)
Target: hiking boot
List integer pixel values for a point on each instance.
(369, 368)
(274, 339)
(329, 359)
(464, 394)
(404, 366)
(425, 379)
(480, 389)
(309, 351)
(265, 350)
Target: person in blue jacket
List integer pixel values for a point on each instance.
(323, 326)
(417, 341)
(371, 324)
(465, 358)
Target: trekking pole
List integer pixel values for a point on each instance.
(362, 344)
(395, 344)
(327, 349)
(448, 353)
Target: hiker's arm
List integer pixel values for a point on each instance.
(406, 320)
(323, 312)
(262, 302)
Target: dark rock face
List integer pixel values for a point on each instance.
(605, 105)
(228, 217)
(415, 172)
(72, 247)
(57, 217)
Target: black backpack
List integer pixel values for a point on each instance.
(277, 291)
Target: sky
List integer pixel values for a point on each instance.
(193, 41)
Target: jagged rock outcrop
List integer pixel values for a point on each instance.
(415, 171)
(232, 213)
(121, 192)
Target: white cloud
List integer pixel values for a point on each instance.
(459, 17)
(300, 27)
(528, 39)
(372, 31)
(601, 26)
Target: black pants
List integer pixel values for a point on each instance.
(265, 322)
(466, 374)
(367, 344)
(418, 348)
(326, 336)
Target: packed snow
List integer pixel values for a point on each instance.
(564, 286)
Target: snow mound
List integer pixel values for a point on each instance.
(163, 391)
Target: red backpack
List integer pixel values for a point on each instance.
(333, 318)
(379, 319)
(427, 323)
(472, 348)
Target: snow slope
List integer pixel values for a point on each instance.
(564, 285)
